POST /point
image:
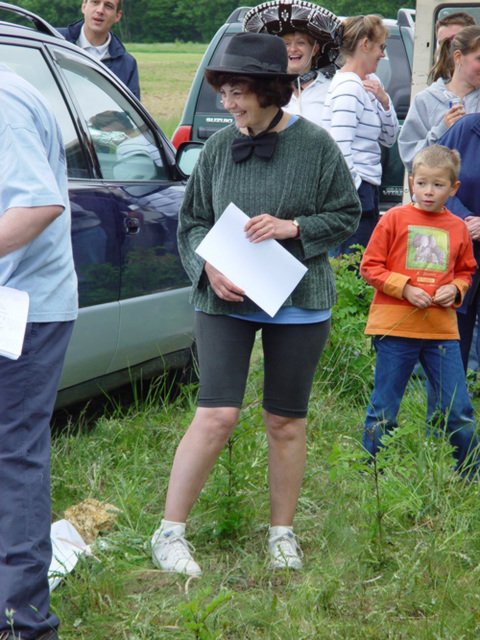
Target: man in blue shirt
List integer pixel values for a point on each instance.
(35, 257)
(94, 34)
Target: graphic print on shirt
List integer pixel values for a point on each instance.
(428, 248)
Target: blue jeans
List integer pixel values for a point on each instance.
(442, 363)
(466, 325)
(466, 328)
(28, 389)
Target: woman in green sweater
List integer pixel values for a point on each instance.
(290, 178)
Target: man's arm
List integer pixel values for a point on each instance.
(20, 225)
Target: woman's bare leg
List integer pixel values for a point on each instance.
(286, 465)
(195, 456)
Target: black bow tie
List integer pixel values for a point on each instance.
(263, 144)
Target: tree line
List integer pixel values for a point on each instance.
(187, 20)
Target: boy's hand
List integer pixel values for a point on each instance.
(416, 296)
(445, 295)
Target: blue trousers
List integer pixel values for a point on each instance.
(369, 199)
(442, 363)
(466, 325)
(28, 389)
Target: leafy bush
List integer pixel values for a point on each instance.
(347, 363)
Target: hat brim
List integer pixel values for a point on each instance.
(254, 74)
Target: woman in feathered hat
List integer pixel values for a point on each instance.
(290, 178)
(312, 36)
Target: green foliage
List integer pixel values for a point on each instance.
(194, 613)
(416, 580)
(347, 362)
(234, 477)
(170, 20)
(59, 13)
(391, 548)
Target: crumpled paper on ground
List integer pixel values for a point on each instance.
(92, 517)
(73, 536)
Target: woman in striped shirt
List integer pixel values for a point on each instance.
(360, 116)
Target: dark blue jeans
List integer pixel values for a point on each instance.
(28, 389)
(466, 325)
(442, 363)
(466, 328)
(369, 196)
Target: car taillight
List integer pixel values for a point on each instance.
(183, 133)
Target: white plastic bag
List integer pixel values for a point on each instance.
(67, 546)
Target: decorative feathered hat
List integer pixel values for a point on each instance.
(279, 17)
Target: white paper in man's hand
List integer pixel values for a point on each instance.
(266, 271)
(13, 321)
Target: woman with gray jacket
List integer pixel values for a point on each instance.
(454, 93)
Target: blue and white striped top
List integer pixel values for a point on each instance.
(359, 124)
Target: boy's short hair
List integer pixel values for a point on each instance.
(438, 157)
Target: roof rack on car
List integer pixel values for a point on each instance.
(406, 17)
(238, 15)
(40, 24)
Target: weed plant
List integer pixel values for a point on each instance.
(392, 551)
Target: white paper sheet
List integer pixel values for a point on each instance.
(13, 320)
(266, 271)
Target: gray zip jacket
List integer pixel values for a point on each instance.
(424, 123)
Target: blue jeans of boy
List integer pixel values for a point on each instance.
(443, 366)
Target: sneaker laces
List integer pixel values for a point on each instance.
(178, 546)
(285, 546)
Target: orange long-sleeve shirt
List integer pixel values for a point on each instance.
(426, 250)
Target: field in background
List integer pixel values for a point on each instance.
(166, 74)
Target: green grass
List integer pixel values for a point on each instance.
(166, 74)
(395, 556)
(419, 581)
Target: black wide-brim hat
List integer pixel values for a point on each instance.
(280, 17)
(257, 55)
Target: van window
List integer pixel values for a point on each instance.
(447, 10)
(125, 147)
(30, 63)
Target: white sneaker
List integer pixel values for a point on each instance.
(284, 549)
(171, 552)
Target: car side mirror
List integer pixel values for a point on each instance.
(187, 156)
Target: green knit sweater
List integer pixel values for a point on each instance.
(306, 179)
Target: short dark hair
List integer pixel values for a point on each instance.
(270, 92)
(459, 17)
(119, 4)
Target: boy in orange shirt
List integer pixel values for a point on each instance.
(420, 261)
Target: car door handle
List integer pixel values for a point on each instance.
(132, 226)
